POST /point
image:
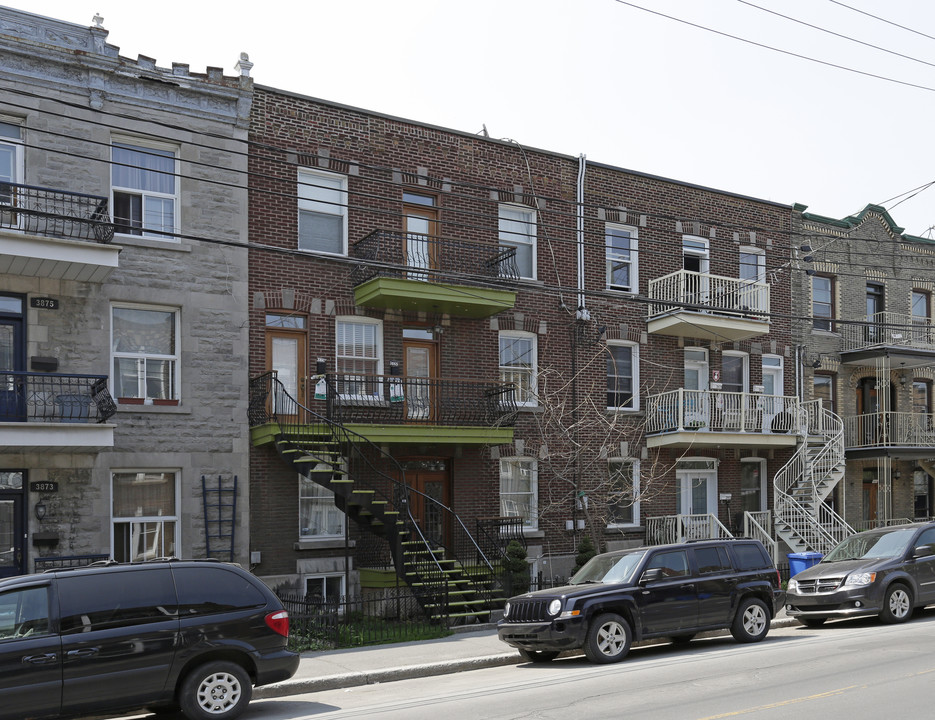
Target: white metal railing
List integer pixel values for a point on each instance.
(757, 525)
(703, 292)
(890, 429)
(887, 328)
(679, 528)
(717, 410)
(880, 523)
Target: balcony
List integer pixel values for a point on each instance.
(895, 434)
(699, 305)
(714, 418)
(52, 411)
(406, 271)
(906, 341)
(56, 234)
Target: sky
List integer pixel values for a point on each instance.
(794, 101)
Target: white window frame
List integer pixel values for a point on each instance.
(634, 405)
(521, 214)
(378, 341)
(325, 577)
(144, 145)
(684, 470)
(323, 497)
(531, 522)
(531, 399)
(142, 357)
(774, 365)
(310, 199)
(635, 507)
(631, 259)
(146, 519)
(745, 368)
(760, 264)
(17, 145)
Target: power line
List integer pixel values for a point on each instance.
(883, 20)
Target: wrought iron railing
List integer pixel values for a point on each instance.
(400, 399)
(715, 410)
(383, 478)
(888, 329)
(494, 534)
(890, 429)
(58, 562)
(54, 398)
(427, 258)
(55, 213)
(703, 292)
(680, 528)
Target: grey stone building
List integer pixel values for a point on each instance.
(123, 284)
(863, 289)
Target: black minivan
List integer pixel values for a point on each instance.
(190, 635)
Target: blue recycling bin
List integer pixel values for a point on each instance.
(800, 561)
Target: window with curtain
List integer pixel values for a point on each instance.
(322, 212)
(623, 505)
(144, 514)
(145, 190)
(318, 515)
(11, 160)
(518, 364)
(517, 227)
(358, 356)
(145, 352)
(519, 487)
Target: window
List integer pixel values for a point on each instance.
(750, 557)
(519, 490)
(318, 516)
(772, 375)
(712, 560)
(621, 248)
(673, 563)
(324, 588)
(145, 352)
(622, 376)
(518, 365)
(518, 229)
(876, 331)
(623, 504)
(24, 612)
(752, 295)
(145, 191)
(921, 397)
(95, 601)
(144, 514)
(359, 356)
(921, 304)
(823, 389)
(822, 302)
(322, 212)
(11, 160)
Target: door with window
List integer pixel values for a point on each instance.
(286, 354)
(420, 357)
(12, 524)
(12, 358)
(696, 495)
(429, 497)
(697, 399)
(421, 234)
(695, 263)
(735, 384)
(771, 401)
(876, 329)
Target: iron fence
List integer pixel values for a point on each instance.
(57, 562)
(55, 213)
(54, 398)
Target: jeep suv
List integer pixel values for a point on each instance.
(189, 635)
(672, 591)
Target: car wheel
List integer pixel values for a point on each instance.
(813, 622)
(608, 639)
(682, 639)
(539, 656)
(897, 604)
(752, 621)
(216, 691)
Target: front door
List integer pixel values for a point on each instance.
(12, 357)
(12, 525)
(697, 401)
(286, 354)
(421, 234)
(430, 497)
(697, 496)
(420, 359)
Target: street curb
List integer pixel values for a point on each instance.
(408, 672)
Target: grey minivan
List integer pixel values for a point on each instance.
(886, 572)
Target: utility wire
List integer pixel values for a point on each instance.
(883, 20)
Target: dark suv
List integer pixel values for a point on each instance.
(194, 635)
(672, 591)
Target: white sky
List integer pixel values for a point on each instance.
(600, 77)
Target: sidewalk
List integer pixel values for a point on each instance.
(478, 648)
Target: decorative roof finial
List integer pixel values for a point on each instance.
(98, 20)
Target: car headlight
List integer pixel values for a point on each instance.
(555, 607)
(860, 578)
(793, 585)
(506, 609)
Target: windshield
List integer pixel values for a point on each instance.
(608, 569)
(872, 545)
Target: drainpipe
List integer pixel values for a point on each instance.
(582, 312)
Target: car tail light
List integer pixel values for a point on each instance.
(278, 622)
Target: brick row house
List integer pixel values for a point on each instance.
(456, 341)
(123, 277)
(868, 353)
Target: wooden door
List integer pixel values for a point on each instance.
(431, 485)
(420, 359)
(287, 354)
(420, 236)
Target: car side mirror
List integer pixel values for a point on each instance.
(923, 551)
(651, 575)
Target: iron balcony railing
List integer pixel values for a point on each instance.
(703, 292)
(54, 398)
(890, 429)
(428, 258)
(716, 410)
(888, 329)
(388, 399)
(55, 213)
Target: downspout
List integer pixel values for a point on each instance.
(582, 312)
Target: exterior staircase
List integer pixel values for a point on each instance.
(447, 572)
(801, 518)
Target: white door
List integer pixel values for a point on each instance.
(697, 492)
(695, 263)
(697, 399)
(771, 400)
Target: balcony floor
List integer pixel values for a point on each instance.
(60, 437)
(703, 439)
(707, 326)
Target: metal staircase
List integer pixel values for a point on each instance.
(446, 570)
(801, 517)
